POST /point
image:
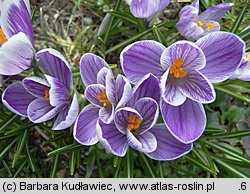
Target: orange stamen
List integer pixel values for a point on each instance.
(46, 95)
(134, 123)
(102, 97)
(3, 38)
(209, 25)
(248, 55)
(176, 68)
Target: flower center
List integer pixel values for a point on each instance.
(176, 68)
(209, 25)
(133, 122)
(46, 95)
(102, 97)
(3, 38)
(248, 55)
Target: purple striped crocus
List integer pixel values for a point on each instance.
(186, 71)
(193, 26)
(41, 99)
(146, 9)
(16, 37)
(135, 126)
(104, 93)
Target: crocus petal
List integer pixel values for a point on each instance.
(197, 87)
(187, 15)
(170, 91)
(40, 111)
(192, 31)
(216, 12)
(163, 4)
(141, 58)
(145, 142)
(67, 116)
(144, 8)
(149, 110)
(55, 65)
(16, 98)
(192, 55)
(244, 72)
(224, 52)
(102, 75)
(168, 147)
(91, 93)
(122, 117)
(85, 125)
(16, 55)
(110, 88)
(90, 65)
(196, 4)
(15, 18)
(36, 86)
(58, 93)
(112, 139)
(124, 90)
(148, 86)
(185, 122)
(106, 114)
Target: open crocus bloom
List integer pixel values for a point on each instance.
(16, 37)
(146, 9)
(193, 26)
(103, 92)
(243, 72)
(41, 99)
(134, 125)
(186, 71)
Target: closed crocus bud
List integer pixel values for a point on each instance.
(146, 9)
(104, 25)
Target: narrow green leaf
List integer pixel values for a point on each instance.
(239, 20)
(118, 168)
(227, 151)
(148, 166)
(232, 169)
(184, 171)
(99, 167)
(195, 162)
(18, 129)
(54, 166)
(30, 160)
(124, 16)
(20, 146)
(8, 122)
(233, 93)
(245, 35)
(116, 161)
(90, 161)
(19, 169)
(7, 168)
(117, 5)
(140, 35)
(6, 149)
(66, 149)
(228, 135)
(214, 130)
(159, 36)
(72, 163)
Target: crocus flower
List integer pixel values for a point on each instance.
(134, 126)
(16, 37)
(243, 72)
(186, 72)
(193, 26)
(41, 99)
(146, 9)
(103, 92)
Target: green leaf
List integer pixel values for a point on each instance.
(245, 35)
(30, 160)
(239, 19)
(232, 169)
(8, 122)
(20, 146)
(147, 165)
(226, 150)
(66, 149)
(230, 135)
(124, 16)
(159, 36)
(140, 35)
(72, 163)
(7, 168)
(54, 166)
(7, 148)
(19, 169)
